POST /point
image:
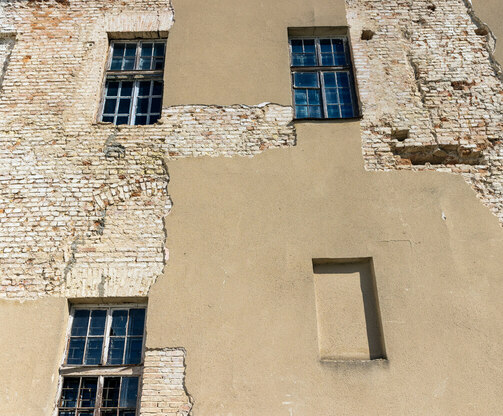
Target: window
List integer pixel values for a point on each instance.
(322, 78)
(117, 396)
(103, 362)
(133, 84)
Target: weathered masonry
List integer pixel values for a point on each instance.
(250, 208)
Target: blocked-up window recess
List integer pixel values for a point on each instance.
(347, 309)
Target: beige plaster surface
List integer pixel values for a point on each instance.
(491, 13)
(236, 51)
(238, 292)
(31, 348)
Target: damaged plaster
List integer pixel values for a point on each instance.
(431, 91)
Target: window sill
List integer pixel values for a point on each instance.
(327, 120)
(82, 370)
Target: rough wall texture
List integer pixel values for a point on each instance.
(82, 203)
(431, 91)
(6, 45)
(163, 377)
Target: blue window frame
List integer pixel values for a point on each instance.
(134, 82)
(106, 336)
(322, 78)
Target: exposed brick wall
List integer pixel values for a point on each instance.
(163, 390)
(82, 203)
(431, 91)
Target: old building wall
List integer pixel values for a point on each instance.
(83, 206)
(431, 91)
(83, 202)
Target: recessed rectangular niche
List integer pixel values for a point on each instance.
(347, 309)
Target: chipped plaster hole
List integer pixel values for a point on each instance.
(400, 134)
(481, 31)
(432, 7)
(367, 34)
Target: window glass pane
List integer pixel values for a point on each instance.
(124, 105)
(344, 95)
(338, 45)
(136, 321)
(339, 60)
(329, 79)
(76, 350)
(297, 46)
(146, 49)
(116, 350)
(112, 88)
(309, 46)
(122, 120)
(300, 97)
(131, 49)
(343, 79)
(157, 88)
(69, 392)
(85, 413)
(126, 89)
(140, 120)
(154, 118)
(66, 413)
(98, 317)
(93, 350)
(315, 112)
(331, 96)
(347, 111)
(109, 107)
(111, 391)
(313, 97)
(118, 49)
(326, 45)
(303, 59)
(305, 79)
(128, 64)
(158, 63)
(80, 322)
(145, 63)
(88, 392)
(327, 59)
(333, 111)
(116, 64)
(110, 413)
(156, 105)
(142, 105)
(144, 88)
(107, 119)
(129, 392)
(159, 49)
(133, 350)
(300, 111)
(127, 413)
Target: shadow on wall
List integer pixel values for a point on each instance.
(349, 322)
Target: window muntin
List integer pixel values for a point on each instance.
(134, 83)
(99, 396)
(106, 336)
(322, 78)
